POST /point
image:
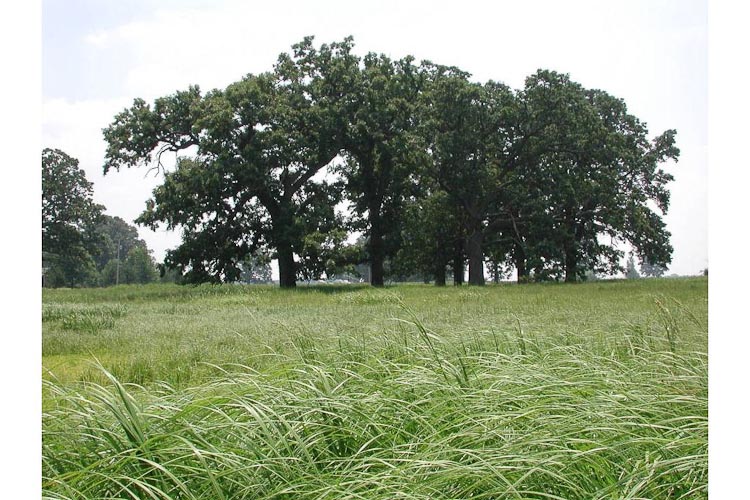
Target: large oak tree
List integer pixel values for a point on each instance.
(477, 138)
(595, 181)
(383, 151)
(258, 144)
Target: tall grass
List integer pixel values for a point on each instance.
(514, 392)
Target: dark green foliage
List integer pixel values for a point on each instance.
(256, 269)
(123, 258)
(259, 144)
(74, 268)
(139, 266)
(478, 136)
(551, 179)
(605, 177)
(543, 175)
(69, 218)
(432, 224)
(115, 231)
(319, 254)
(79, 243)
(383, 151)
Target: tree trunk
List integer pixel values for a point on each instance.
(495, 272)
(571, 264)
(521, 271)
(287, 267)
(571, 252)
(476, 257)
(458, 263)
(440, 275)
(377, 255)
(282, 218)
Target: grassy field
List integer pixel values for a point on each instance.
(590, 391)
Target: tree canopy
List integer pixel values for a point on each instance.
(259, 143)
(551, 179)
(79, 242)
(122, 257)
(383, 150)
(607, 184)
(69, 218)
(476, 138)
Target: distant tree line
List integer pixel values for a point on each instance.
(82, 246)
(437, 172)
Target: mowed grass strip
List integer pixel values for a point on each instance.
(393, 394)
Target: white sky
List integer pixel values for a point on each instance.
(98, 56)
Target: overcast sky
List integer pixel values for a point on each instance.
(98, 56)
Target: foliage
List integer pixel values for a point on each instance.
(73, 268)
(258, 145)
(139, 266)
(548, 174)
(167, 275)
(383, 152)
(431, 227)
(321, 254)
(69, 218)
(605, 174)
(551, 179)
(474, 136)
(115, 231)
(652, 270)
(79, 242)
(122, 256)
(256, 269)
(348, 261)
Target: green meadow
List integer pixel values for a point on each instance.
(542, 391)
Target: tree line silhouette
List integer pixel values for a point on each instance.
(436, 171)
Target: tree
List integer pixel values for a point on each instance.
(550, 179)
(257, 269)
(167, 275)
(431, 227)
(139, 266)
(652, 270)
(321, 254)
(348, 261)
(120, 249)
(606, 178)
(114, 231)
(69, 217)
(258, 143)
(476, 142)
(630, 271)
(382, 152)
